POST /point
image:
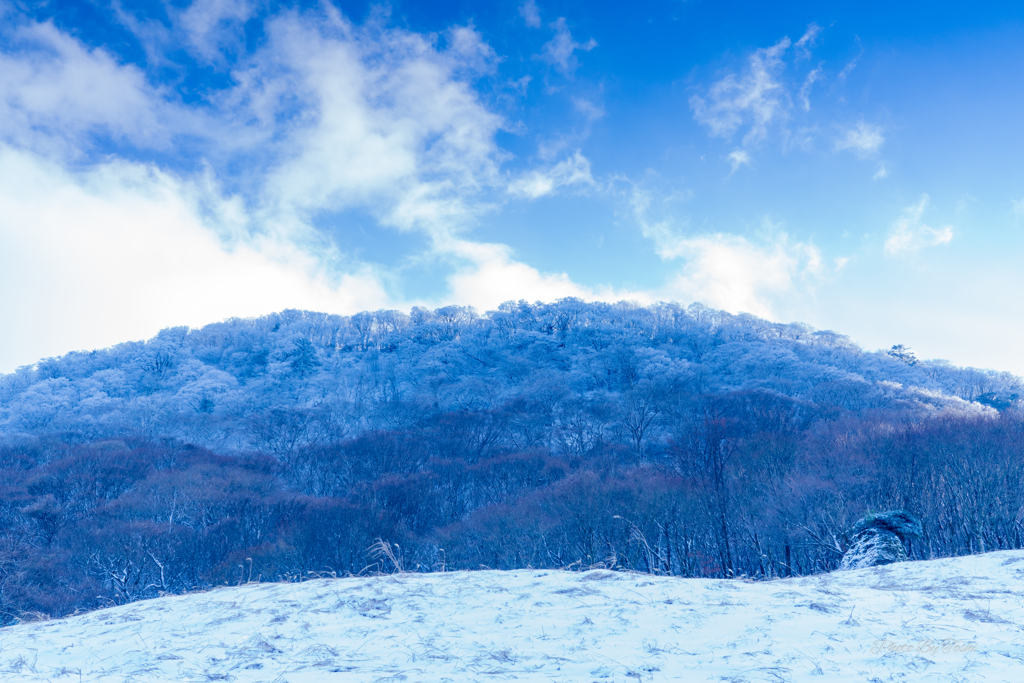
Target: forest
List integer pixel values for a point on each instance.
(674, 440)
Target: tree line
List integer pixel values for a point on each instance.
(744, 486)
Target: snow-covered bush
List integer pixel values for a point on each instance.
(878, 539)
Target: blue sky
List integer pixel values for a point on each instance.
(853, 166)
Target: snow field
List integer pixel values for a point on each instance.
(945, 620)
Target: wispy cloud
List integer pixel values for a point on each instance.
(805, 89)
(739, 157)
(909, 234)
(881, 172)
(753, 100)
(574, 170)
(530, 13)
(807, 42)
(849, 67)
(560, 51)
(768, 93)
(214, 26)
(587, 108)
(863, 139)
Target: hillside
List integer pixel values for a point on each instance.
(290, 379)
(669, 440)
(953, 619)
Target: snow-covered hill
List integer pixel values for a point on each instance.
(955, 619)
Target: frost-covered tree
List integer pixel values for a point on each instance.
(304, 360)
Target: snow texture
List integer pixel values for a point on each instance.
(945, 620)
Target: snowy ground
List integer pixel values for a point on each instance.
(946, 620)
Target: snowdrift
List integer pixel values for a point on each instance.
(952, 619)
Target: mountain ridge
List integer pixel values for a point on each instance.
(219, 369)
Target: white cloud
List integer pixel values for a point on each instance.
(909, 234)
(120, 251)
(328, 117)
(495, 277)
(728, 271)
(881, 172)
(530, 14)
(560, 51)
(755, 99)
(735, 274)
(737, 158)
(864, 139)
(390, 124)
(574, 170)
(54, 92)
